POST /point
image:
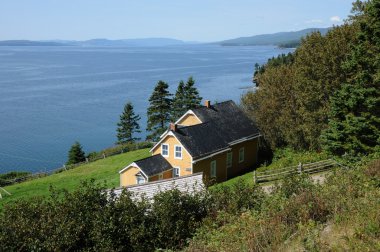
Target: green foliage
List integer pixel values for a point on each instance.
(354, 119)
(292, 102)
(179, 107)
(76, 154)
(4, 178)
(192, 98)
(88, 219)
(159, 110)
(128, 125)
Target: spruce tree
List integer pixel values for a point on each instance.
(192, 98)
(179, 107)
(76, 154)
(354, 119)
(159, 110)
(128, 125)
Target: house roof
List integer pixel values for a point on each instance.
(153, 165)
(223, 123)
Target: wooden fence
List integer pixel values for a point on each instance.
(309, 168)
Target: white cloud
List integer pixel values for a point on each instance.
(335, 19)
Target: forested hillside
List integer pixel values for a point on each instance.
(326, 94)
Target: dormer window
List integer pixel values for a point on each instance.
(178, 152)
(165, 150)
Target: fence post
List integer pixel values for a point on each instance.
(64, 166)
(254, 177)
(300, 168)
(104, 155)
(86, 160)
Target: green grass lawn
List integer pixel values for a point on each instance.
(101, 170)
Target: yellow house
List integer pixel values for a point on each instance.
(218, 140)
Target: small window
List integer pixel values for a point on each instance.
(175, 172)
(160, 176)
(165, 150)
(178, 152)
(241, 155)
(229, 159)
(140, 179)
(213, 169)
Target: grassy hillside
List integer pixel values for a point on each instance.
(101, 170)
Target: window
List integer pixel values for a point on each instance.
(175, 172)
(140, 179)
(165, 150)
(160, 176)
(229, 159)
(241, 155)
(178, 152)
(213, 169)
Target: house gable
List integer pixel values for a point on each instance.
(188, 119)
(128, 175)
(184, 163)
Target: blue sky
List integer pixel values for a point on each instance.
(192, 20)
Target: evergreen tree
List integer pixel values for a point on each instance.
(128, 125)
(76, 154)
(159, 110)
(192, 98)
(179, 107)
(354, 119)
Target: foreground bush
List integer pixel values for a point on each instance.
(90, 219)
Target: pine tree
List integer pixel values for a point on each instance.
(179, 102)
(159, 110)
(128, 125)
(354, 119)
(76, 154)
(192, 98)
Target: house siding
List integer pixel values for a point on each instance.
(222, 173)
(165, 175)
(189, 120)
(128, 177)
(183, 163)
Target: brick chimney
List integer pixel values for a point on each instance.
(173, 127)
(207, 103)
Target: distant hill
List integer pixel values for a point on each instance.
(284, 39)
(29, 43)
(97, 42)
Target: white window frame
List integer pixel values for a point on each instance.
(213, 169)
(179, 172)
(175, 151)
(229, 159)
(241, 156)
(137, 179)
(160, 176)
(162, 150)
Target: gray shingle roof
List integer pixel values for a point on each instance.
(186, 184)
(222, 124)
(153, 165)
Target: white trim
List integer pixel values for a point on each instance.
(163, 150)
(137, 181)
(211, 155)
(241, 161)
(227, 164)
(189, 112)
(179, 172)
(134, 165)
(211, 166)
(169, 134)
(175, 151)
(241, 140)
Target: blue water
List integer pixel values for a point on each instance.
(53, 96)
